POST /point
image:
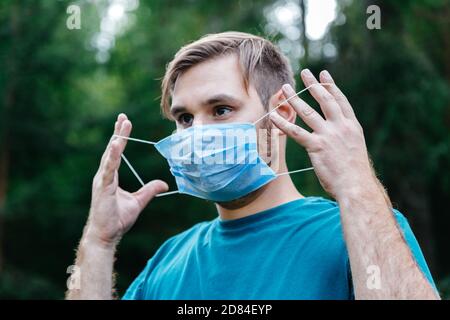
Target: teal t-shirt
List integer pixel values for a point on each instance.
(293, 251)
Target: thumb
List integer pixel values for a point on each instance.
(148, 191)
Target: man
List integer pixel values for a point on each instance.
(272, 242)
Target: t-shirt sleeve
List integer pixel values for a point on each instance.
(414, 247)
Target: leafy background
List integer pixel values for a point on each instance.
(61, 89)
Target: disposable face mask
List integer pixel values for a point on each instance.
(217, 162)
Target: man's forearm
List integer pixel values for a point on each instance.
(95, 264)
(374, 238)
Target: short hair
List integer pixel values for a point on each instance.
(261, 62)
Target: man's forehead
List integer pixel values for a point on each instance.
(211, 77)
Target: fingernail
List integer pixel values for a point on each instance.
(288, 89)
(326, 75)
(306, 72)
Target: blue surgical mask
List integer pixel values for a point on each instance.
(217, 162)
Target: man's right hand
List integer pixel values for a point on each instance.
(114, 210)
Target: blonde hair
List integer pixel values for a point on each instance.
(261, 62)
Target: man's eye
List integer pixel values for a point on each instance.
(185, 118)
(222, 110)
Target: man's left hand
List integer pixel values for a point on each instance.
(336, 145)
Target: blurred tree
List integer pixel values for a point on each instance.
(38, 58)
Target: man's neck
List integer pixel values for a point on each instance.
(277, 192)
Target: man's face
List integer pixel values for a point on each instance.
(213, 92)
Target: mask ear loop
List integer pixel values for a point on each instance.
(279, 105)
(295, 171)
(134, 171)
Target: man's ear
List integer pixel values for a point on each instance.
(285, 110)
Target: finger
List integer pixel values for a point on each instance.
(328, 104)
(111, 163)
(297, 133)
(124, 132)
(341, 99)
(310, 116)
(148, 191)
(120, 119)
(117, 125)
(119, 147)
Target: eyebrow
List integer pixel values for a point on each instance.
(218, 98)
(222, 97)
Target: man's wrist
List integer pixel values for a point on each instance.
(368, 189)
(91, 239)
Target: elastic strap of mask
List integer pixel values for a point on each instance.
(168, 193)
(295, 171)
(282, 102)
(142, 182)
(134, 139)
(126, 160)
(177, 191)
(279, 174)
(132, 169)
